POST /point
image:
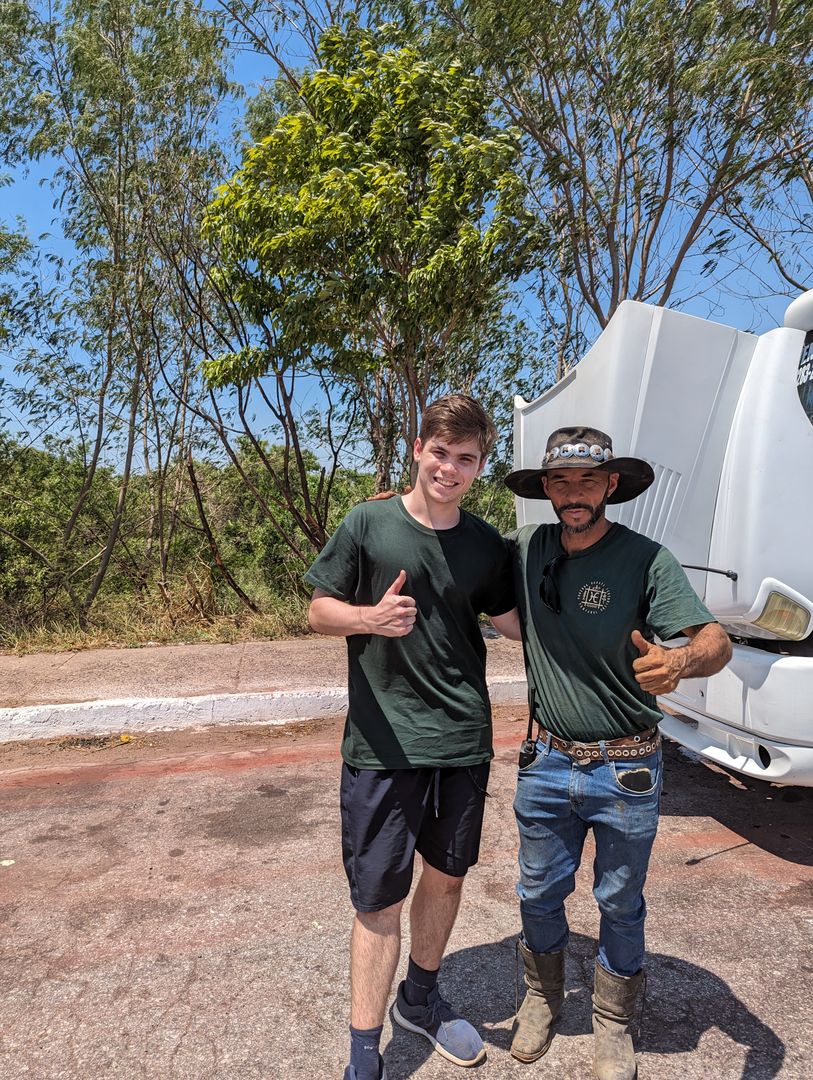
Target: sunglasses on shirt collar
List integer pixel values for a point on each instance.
(548, 586)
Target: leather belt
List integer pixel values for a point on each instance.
(625, 749)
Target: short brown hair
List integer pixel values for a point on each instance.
(458, 417)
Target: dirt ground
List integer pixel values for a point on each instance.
(174, 908)
(74, 750)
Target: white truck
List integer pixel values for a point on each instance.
(725, 418)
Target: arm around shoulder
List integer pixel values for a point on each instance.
(508, 624)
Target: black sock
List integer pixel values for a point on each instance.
(418, 984)
(364, 1056)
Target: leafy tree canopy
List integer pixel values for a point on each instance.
(374, 223)
(647, 127)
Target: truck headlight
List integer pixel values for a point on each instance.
(784, 617)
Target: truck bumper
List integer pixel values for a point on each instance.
(744, 752)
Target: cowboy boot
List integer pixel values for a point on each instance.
(545, 979)
(613, 1005)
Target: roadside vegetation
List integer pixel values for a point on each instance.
(252, 284)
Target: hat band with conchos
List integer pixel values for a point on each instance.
(586, 448)
(578, 450)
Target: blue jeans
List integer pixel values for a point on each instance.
(557, 801)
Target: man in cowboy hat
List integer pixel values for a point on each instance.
(592, 595)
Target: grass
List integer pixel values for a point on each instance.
(127, 622)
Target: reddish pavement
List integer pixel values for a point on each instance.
(175, 909)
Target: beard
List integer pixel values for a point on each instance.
(596, 513)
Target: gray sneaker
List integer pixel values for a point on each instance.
(452, 1036)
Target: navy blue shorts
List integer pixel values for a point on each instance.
(389, 814)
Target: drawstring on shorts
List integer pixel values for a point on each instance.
(436, 788)
(483, 791)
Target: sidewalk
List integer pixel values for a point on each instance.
(179, 686)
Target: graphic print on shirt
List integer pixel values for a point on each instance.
(594, 597)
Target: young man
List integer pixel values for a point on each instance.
(404, 580)
(591, 596)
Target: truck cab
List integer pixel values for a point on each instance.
(725, 418)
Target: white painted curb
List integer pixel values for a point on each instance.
(167, 714)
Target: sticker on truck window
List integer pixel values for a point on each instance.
(804, 377)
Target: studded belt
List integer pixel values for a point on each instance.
(630, 746)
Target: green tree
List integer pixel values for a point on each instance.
(36, 487)
(121, 96)
(650, 131)
(371, 232)
(14, 248)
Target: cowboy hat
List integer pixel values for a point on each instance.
(583, 448)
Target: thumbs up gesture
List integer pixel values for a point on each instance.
(657, 670)
(394, 615)
(641, 644)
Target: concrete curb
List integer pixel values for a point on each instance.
(166, 714)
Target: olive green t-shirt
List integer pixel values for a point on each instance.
(418, 700)
(579, 662)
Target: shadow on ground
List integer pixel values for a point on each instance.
(774, 818)
(682, 1002)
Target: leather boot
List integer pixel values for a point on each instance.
(545, 979)
(613, 1005)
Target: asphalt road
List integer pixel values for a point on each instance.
(175, 909)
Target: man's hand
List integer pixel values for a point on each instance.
(388, 494)
(657, 670)
(394, 615)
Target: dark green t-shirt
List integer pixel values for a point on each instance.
(579, 663)
(418, 700)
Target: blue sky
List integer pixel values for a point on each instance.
(29, 198)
